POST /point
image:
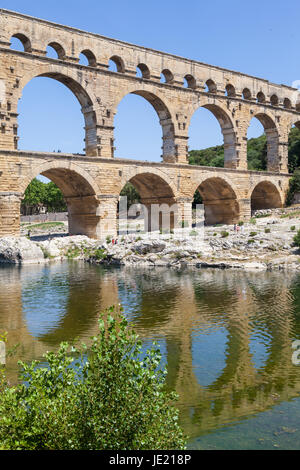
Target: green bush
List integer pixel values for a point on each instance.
(241, 223)
(297, 239)
(293, 228)
(267, 230)
(110, 396)
(224, 234)
(251, 241)
(253, 234)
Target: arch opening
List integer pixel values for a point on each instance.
(166, 76)
(147, 125)
(189, 81)
(78, 198)
(230, 91)
(116, 64)
(20, 42)
(220, 201)
(52, 122)
(87, 58)
(220, 148)
(143, 71)
(154, 205)
(265, 196)
(263, 146)
(294, 148)
(55, 51)
(246, 93)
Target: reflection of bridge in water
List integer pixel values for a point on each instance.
(179, 310)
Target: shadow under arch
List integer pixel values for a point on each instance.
(220, 201)
(265, 195)
(157, 197)
(165, 120)
(84, 100)
(228, 132)
(80, 194)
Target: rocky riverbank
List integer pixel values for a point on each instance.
(263, 243)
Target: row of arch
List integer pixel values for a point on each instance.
(220, 199)
(116, 63)
(168, 128)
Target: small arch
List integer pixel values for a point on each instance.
(265, 195)
(58, 49)
(246, 94)
(211, 86)
(24, 42)
(167, 76)
(260, 97)
(90, 59)
(274, 100)
(143, 71)
(287, 103)
(189, 81)
(220, 201)
(230, 90)
(116, 64)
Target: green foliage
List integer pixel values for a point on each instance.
(250, 241)
(42, 194)
(241, 223)
(296, 239)
(224, 234)
(294, 187)
(293, 228)
(133, 197)
(107, 397)
(267, 230)
(256, 153)
(253, 234)
(294, 149)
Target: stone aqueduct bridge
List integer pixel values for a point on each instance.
(91, 183)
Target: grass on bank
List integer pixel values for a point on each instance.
(45, 226)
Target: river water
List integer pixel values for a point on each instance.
(226, 339)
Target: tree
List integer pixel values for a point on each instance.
(109, 396)
(40, 194)
(131, 193)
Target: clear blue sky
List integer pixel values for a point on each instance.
(259, 38)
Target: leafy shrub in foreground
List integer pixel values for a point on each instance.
(107, 397)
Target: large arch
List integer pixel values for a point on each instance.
(79, 191)
(158, 198)
(228, 132)
(265, 195)
(272, 136)
(220, 201)
(165, 120)
(84, 99)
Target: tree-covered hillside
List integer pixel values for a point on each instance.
(257, 153)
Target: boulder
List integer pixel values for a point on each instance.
(20, 251)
